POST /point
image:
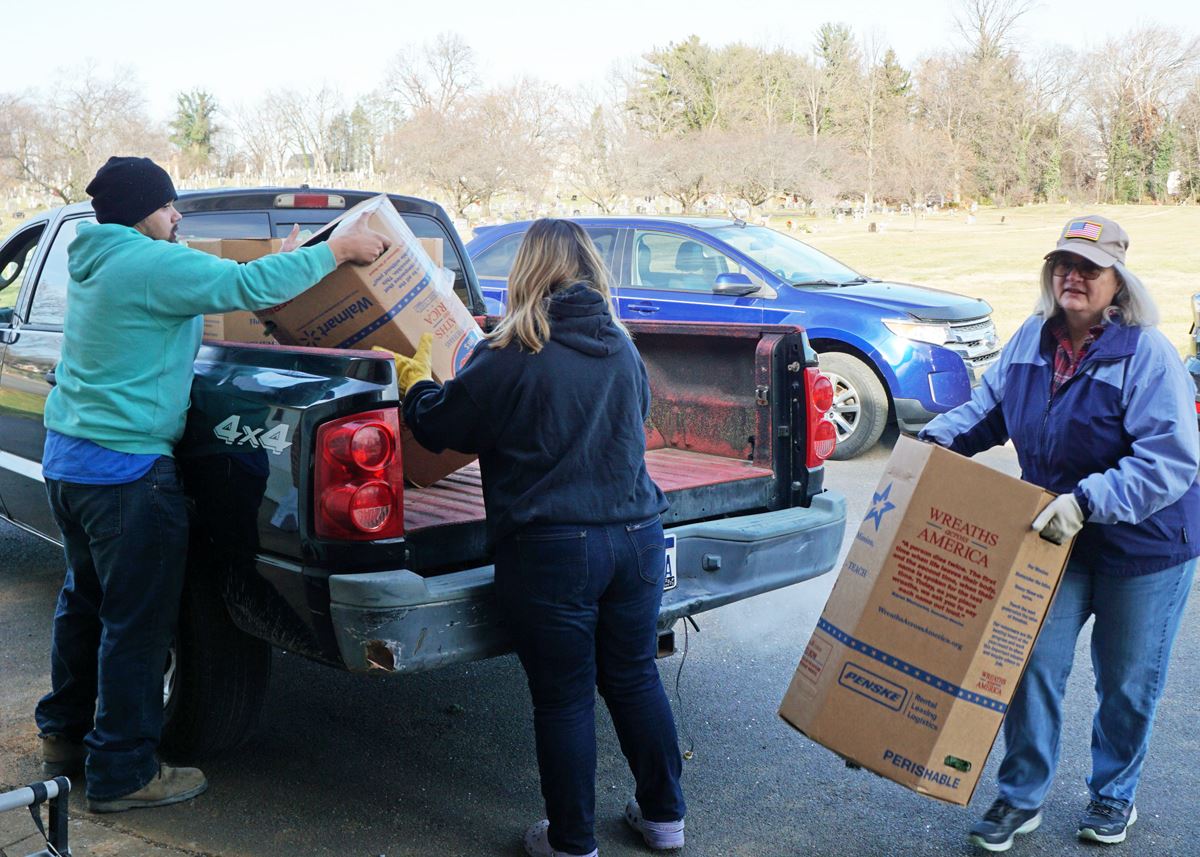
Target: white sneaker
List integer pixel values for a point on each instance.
(659, 835)
(537, 843)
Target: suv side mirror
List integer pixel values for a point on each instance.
(733, 285)
(6, 317)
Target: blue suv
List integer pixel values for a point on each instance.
(893, 351)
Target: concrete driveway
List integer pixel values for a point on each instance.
(443, 763)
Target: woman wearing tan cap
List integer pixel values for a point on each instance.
(1100, 411)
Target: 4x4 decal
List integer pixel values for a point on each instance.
(273, 440)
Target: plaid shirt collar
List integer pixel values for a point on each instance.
(1066, 359)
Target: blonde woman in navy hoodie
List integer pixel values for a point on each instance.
(554, 402)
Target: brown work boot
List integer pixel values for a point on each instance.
(62, 757)
(170, 785)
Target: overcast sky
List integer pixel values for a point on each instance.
(238, 49)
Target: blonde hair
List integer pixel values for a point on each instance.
(1132, 305)
(554, 254)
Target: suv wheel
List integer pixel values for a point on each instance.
(860, 404)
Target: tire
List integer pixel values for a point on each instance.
(215, 681)
(860, 404)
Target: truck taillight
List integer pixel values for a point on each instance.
(359, 483)
(822, 436)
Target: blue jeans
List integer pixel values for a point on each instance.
(1137, 619)
(582, 605)
(126, 550)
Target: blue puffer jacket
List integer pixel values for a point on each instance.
(1121, 434)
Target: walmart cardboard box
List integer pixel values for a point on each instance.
(927, 631)
(239, 325)
(388, 303)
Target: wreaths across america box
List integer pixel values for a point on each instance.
(927, 631)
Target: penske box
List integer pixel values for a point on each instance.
(927, 631)
(239, 325)
(388, 303)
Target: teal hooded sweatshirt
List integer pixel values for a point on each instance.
(133, 328)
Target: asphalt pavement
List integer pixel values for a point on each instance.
(443, 763)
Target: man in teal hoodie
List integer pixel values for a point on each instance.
(135, 307)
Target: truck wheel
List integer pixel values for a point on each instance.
(860, 404)
(215, 679)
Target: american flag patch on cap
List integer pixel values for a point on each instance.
(1088, 229)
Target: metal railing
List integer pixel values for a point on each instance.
(53, 793)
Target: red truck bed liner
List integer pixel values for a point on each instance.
(458, 498)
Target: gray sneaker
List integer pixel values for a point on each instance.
(537, 843)
(1106, 822)
(170, 785)
(658, 835)
(62, 757)
(1002, 822)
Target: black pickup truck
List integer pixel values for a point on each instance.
(278, 554)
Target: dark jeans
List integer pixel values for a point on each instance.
(126, 550)
(582, 604)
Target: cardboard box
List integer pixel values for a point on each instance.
(243, 325)
(388, 303)
(929, 626)
(240, 325)
(237, 326)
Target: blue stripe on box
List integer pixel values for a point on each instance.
(412, 295)
(908, 669)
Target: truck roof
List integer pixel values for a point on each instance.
(250, 198)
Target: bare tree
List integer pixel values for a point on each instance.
(1133, 86)
(57, 143)
(435, 76)
(680, 168)
(599, 158)
(988, 26)
(309, 122)
(264, 139)
(917, 165)
(756, 168)
(501, 140)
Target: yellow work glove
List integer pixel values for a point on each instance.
(410, 370)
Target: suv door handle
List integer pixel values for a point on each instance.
(644, 308)
(50, 378)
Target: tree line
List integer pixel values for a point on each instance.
(991, 119)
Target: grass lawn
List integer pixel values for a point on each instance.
(999, 261)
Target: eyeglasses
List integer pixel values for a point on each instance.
(1066, 263)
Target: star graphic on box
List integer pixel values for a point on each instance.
(880, 506)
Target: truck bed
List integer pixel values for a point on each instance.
(445, 520)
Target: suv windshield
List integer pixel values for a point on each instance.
(786, 257)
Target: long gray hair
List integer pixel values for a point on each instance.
(1131, 306)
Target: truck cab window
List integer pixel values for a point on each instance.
(15, 260)
(226, 224)
(49, 307)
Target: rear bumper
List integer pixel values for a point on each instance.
(398, 621)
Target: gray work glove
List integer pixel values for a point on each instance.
(1061, 520)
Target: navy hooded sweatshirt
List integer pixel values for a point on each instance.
(559, 433)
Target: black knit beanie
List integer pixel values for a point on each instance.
(126, 190)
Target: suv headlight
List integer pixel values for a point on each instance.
(932, 332)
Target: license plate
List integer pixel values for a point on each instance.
(669, 581)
